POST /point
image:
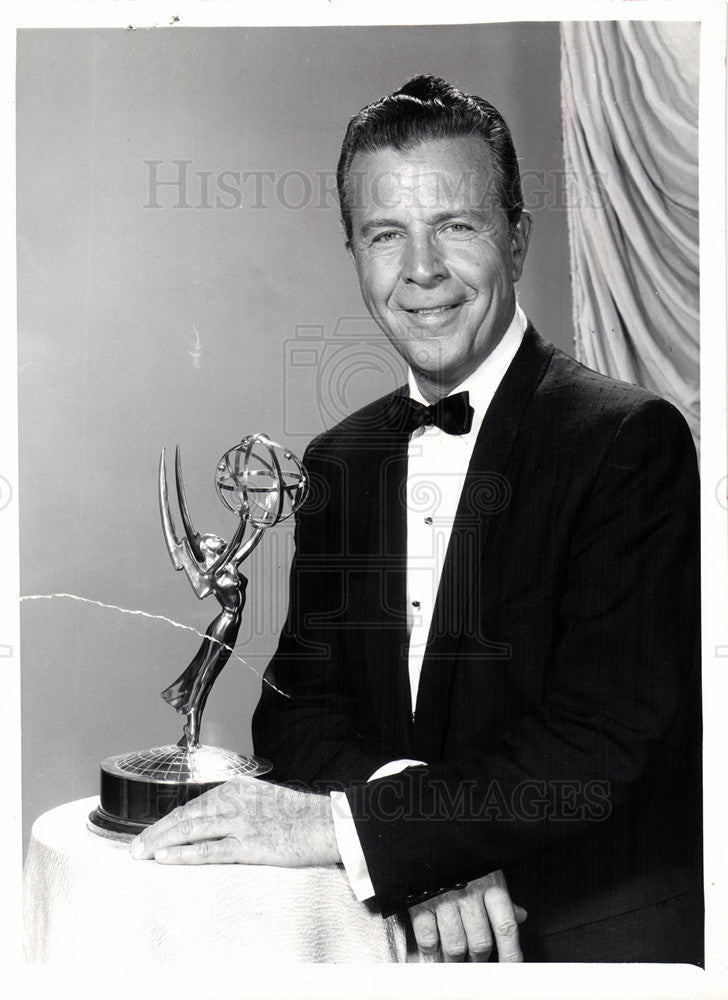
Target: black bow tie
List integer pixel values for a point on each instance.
(453, 414)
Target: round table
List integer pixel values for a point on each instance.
(85, 897)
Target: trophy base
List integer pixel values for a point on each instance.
(137, 789)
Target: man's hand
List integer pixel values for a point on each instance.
(244, 821)
(464, 922)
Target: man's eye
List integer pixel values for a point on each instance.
(385, 237)
(458, 227)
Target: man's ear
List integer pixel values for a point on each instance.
(519, 243)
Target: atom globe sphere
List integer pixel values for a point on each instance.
(262, 480)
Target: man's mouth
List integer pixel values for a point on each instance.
(432, 310)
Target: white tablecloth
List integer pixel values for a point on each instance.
(85, 898)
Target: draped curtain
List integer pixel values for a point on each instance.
(630, 120)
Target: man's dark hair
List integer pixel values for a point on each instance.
(427, 108)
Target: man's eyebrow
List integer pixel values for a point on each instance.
(475, 214)
(371, 224)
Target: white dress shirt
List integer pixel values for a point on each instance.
(437, 464)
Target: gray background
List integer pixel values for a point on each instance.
(111, 292)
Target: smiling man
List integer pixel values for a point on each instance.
(491, 652)
(436, 255)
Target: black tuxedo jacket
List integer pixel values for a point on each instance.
(559, 701)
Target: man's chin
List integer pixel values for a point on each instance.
(435, 381)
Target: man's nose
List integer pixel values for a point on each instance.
(423, 264)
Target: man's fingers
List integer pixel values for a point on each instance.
(222, 801)
(453, 939)
(204, 852)
(146, 837)
(187, 829)
(502, 917)
(507, 941)
(477, 928)
(424, 926)
(469, 923)
(440, 926)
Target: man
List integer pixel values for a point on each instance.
(491, 650)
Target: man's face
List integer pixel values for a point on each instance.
(435, 257)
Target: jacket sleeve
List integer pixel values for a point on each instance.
(623, 679)
(305, 722)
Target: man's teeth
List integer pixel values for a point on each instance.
(431, 312)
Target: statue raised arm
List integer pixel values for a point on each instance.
(261, 483)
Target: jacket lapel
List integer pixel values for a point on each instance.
(454, 612)
(386, 638)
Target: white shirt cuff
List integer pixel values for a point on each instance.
(347, 839)
(394, 767)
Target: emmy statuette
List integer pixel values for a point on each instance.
(262, 483)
